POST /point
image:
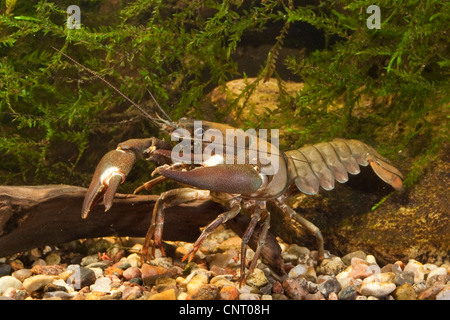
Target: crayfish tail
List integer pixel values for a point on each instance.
(387, 173)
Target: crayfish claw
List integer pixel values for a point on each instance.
(109, 174)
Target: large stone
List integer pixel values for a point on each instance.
(264, 97)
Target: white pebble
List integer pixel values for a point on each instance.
(62, 283)
(375, 269)
(444, 294)
(437, 272)
(416, 268)
(297, 271)
(102, 284)
(7, 282)
(197, 281)
(377, 289)
(97, 271)
(429, 267)
(134, 260)
(371, 259)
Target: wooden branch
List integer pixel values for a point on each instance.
(34, 216)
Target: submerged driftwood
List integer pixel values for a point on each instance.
(34, 216)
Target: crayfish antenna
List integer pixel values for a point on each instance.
(155, 121)
(159, 107)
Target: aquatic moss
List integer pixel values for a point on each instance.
(57, 120)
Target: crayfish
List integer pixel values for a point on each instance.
(238, 169)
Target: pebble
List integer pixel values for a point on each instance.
(297, 271)
(438, 278)
(52, 287)
(419, 286)
(205, 292)
(60, 295)
(164, 295)
(35, 283)
(98, 272)
(444, 294)
(150, 273)
(359, 269)
(333, 296)
(9, 282)
(257, 278)
(416, 268)
(97, 265)
(347, 259)
(332, 266)
(132, 292)
(134, 260)
(249, 296)
(225, 259)
(403, 277)
(222, 280)
(294, 290)
(53, 259)
(5, 269)
(330, 285)
(436, 272)
(371, 259)
(50, 270)
(102, 284)
(377, 289)
(131, 273)
(114, 271)
(89, 260)
(311, 274)
(196, 283)
(80, 277)
(22, 274)
(314, 296)
(16, 264)
(111, 272)
(404, 292)
(298, 250)
(228, 292)
(431, 293)
(348, 293)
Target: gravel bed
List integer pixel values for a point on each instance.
(110, 268)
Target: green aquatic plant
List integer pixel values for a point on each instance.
(56, 119)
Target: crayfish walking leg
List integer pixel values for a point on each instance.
(262, 239)
(235, 208)
(256, 216)
(308, 225)
(168, 199)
